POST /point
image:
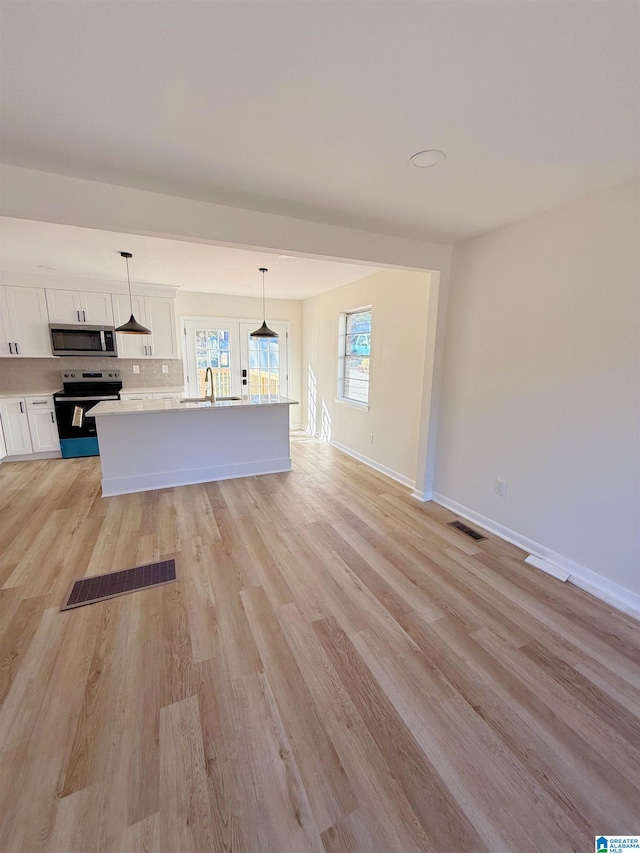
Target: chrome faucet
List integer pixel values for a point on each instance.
(208, 376)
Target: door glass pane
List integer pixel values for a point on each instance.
(264, 366)
(213, 350)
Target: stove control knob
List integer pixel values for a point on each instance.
(73, 376)
(66, 376)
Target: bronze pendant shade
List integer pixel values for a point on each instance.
(264, 331)
(131, 327)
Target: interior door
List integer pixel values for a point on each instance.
(265, 360)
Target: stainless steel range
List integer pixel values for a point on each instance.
(82, 390)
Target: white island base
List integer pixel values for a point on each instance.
(156, 444)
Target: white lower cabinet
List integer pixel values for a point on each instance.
(132, 395)
(15, 426)
(29, 425)
(42, 424)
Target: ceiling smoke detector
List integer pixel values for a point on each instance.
(427, 159)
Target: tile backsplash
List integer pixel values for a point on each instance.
(43, 374)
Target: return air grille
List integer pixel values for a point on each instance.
(101, 587)
(468, 531)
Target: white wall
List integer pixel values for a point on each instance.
(399, 303)
(542, 379)
(193, 304)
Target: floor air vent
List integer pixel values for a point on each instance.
(101, 587)
(468, 531)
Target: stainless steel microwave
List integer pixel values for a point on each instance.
(83, 340)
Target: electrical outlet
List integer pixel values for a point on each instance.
(136, 368)
(501, 488)
(165, 368)
(370, 438)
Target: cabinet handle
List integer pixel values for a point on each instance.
(84, 316)
(21, 408)
(150, 351)
(10, 349)
(53, 420)
(17, 349)
(78, 313)
(39, 403)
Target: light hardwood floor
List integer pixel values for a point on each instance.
(335, 670)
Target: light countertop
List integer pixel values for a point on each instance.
(5, 395)
(146, 407)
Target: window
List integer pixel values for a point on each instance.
(354, 355)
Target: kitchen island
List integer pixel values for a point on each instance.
(157, 444)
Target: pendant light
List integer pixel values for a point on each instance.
(131, 327)
(264, 331)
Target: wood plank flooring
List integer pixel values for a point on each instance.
(334, 670)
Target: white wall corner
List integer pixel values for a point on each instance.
(422, 496)
(560, 567)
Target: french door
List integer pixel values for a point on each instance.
(240, 364)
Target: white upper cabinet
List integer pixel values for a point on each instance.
(72, 306)
(130, 346)
(156, 313)
(160, 313)
(24, 329)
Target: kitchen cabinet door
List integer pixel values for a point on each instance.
(76, 307)
(65, 306)
(43, 429)
(15, 426)
(161, 319)
(42, 423)
(97, 309)
(5, 332)
(28, 322)
(130, 346)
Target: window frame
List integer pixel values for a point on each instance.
(343, 355)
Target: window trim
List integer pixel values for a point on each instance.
(342, 357)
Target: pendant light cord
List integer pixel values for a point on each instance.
(264, 304)
(129, 280)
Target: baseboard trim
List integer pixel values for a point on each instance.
(381, 469)
(560, 567)
(33, 457)
(550, 568)
(422, 496)
(112, 486)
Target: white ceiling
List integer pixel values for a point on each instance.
(312, 109)
(45, 248)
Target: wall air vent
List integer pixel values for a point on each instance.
(468, 531)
